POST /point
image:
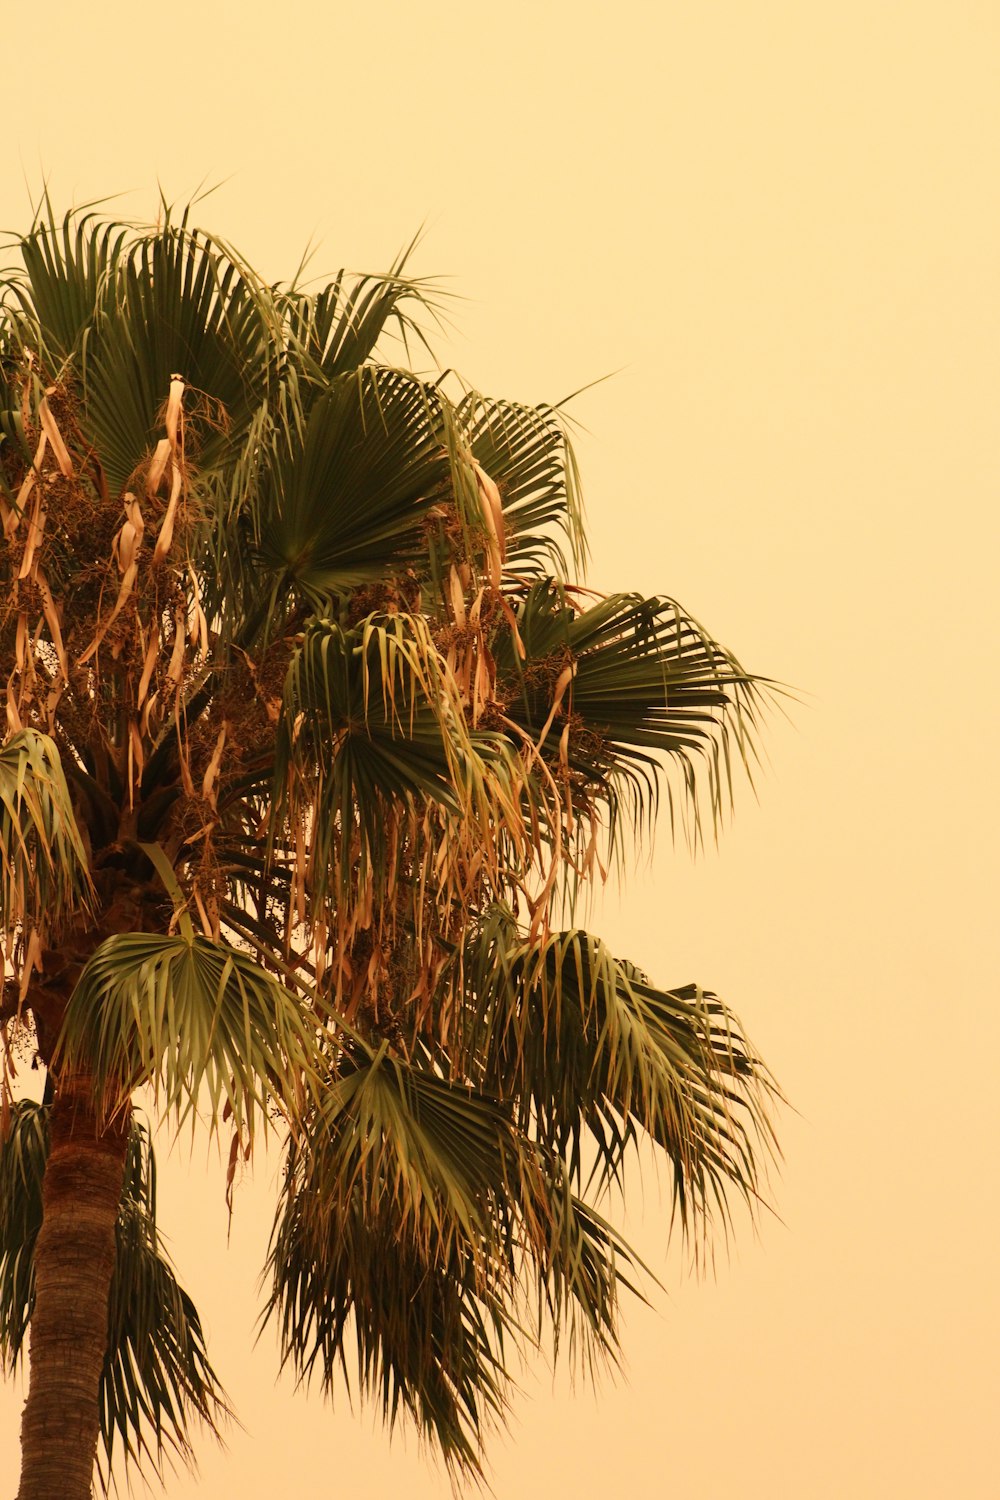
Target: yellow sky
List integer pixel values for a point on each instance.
(780, 222)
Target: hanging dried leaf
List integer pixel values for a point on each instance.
(51, 430)
(166, 533)
(158, 466)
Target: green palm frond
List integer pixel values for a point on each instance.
(580, 1265)
(395, 1222)
(429, 1334)
(414, 1222)
(68, 265)
(24, 1150)
(589, 1052)
(157, 1377)
(339, 327)
(438, 1150)
(373, 708)
(351, 495)
(43, 863)
(196, 1020)
(177, 306)
(647, 683)
(526, 452)
(372, 730)
(115, 315)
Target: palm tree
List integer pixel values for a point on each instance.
(311, 744)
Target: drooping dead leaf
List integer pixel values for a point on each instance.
(127, 585)
(12, 517)
(55, 437)
(562, 683)
(187, 781)
(125, 550)
(136, 760)
(158, 466)
(36, 526)
(31, 962)
(209, 925)
(166, 532)
(197, 622)
(212, 769)
(457, 597)
(128, 540)
(149, 663)
(14, 723)
(489, 499)
(172, 419)
(175, 668)
(21, 642)
(511, 619)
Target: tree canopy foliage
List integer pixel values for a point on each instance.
(313, 740)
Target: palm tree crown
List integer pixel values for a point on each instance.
(312, 740)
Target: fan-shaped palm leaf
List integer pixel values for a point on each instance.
(588, 1050)
(396, 1209)
(525, 452)
(68, 265)
(579, 1265)
(647, 682)
(439, 1151)
(176, 307)
(411, 1214)
(352, 494)
(197, 1020)
(429, 1333)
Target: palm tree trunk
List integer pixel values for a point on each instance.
(74, 1262)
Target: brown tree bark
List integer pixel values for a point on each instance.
(74, 1263)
